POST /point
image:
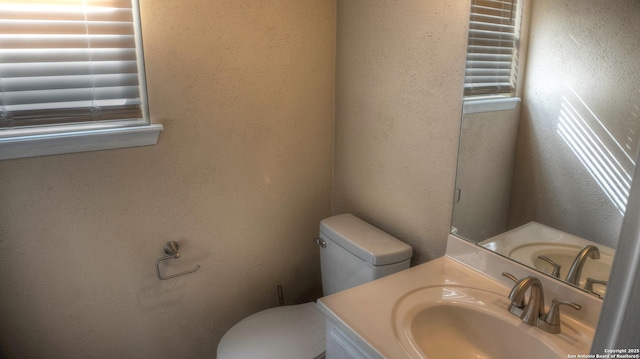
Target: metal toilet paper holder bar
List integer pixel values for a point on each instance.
(171, 249)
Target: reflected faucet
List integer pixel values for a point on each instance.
(556, 266)
(575, 271)
(588, 286)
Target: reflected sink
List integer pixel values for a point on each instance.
(526, 243)
(564, 255)
(463, 322)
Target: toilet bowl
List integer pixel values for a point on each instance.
(352, 252)
(291, 331)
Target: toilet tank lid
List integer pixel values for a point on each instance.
(364, 240)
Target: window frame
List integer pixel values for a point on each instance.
(517, 61)
(21, 142)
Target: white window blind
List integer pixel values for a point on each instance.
(492, 50)
(68, 62)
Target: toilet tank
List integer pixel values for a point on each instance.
(355, 252)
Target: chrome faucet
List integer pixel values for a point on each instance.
(534, 307)
(575, 271)
(532, 312)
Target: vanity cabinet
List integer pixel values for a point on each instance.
(342, 343)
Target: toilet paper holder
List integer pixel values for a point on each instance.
(171, 249)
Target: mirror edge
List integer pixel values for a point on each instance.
(619, 321)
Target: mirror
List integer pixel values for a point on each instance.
(543, 181)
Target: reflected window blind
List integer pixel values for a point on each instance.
(492, 48)
(68, 61)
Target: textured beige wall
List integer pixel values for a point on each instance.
(582, 69)
(241, 178)
(399, 78)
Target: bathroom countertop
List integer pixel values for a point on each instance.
(368, 310)
(372, 317)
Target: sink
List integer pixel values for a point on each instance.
(456, 331)
(525, 243)
(564, 255)
(446, 308)
(464, 322)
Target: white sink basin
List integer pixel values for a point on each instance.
(463, 322)
(456, 331)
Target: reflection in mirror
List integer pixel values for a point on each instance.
(545, 180)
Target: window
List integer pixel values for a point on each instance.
(71, 77)
(492, 50)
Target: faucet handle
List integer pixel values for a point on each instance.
(590, 282)
(556, 266)
(551, 321)
(516, 306)
(510, 276)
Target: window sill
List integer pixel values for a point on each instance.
(490, 105)
(78, 141)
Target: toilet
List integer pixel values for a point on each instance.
(352, 252)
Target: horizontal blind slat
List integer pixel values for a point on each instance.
(71, 115)
(488, 84)
(34, 69)
(495, 3)
(491, 19)
(489, 64)
(478, 25)
(114, 14)
(110, 3)
(489, 57)
(482, 49)
(506, 43)
(485, 72)
(485, 79)
(67, 82)
(79, 27)
(46, 41)
(66, 55)
(70, 95)
(489, 89)
(92, 105)
(487, 33)
(52, 5)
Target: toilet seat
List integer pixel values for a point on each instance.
(287, 332)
